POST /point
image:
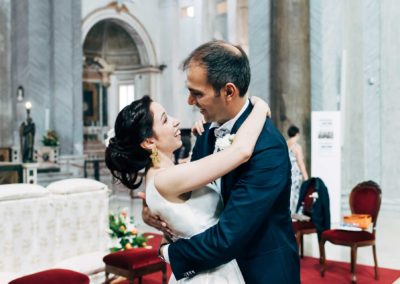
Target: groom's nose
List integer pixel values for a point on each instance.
(191, 100)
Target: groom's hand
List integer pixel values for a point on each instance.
(154, 220)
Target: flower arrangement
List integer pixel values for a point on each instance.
(225, 141)
(50, 139)
(123, 230)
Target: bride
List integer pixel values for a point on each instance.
(184, 195)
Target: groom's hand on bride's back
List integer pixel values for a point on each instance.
(154, 220)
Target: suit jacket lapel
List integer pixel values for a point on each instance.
(226, 186)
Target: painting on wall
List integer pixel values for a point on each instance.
(90, 103)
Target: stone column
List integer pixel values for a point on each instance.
(66, 75)
(7, 101)
(290, 68)
(47, 62)
(259, 16)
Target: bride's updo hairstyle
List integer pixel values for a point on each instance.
(124, 156)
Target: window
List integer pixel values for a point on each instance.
(126, 95)
(187, 11)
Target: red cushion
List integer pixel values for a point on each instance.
(132, 258)
(347, 236)
(302, 226)
(153, 240)
(59, 276)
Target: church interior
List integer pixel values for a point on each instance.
(68, 67)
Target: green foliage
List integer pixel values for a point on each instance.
(122, 228)
(50, 139)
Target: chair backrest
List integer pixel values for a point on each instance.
(365, 198)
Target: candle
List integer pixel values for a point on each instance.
(47, 119)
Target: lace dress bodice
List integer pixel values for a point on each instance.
(191, 217)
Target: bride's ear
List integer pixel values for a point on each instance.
(147, 144)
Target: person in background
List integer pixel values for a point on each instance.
(299, 171)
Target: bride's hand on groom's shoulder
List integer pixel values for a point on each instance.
(257, 100)
(154, 220)
(198, 127)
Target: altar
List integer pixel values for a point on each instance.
(11, 172)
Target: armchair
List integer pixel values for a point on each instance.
(365, 198)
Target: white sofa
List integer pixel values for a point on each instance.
(61, 226)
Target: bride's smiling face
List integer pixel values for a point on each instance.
(166, 129)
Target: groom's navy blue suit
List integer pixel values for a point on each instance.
(255, 226)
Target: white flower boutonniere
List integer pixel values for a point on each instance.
(223, 142)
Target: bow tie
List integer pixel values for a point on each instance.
(221, 132)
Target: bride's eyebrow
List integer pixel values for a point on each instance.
(163, 116)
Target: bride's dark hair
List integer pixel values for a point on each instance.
(124, 156)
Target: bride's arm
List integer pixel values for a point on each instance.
(174, 181)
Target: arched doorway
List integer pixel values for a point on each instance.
(119, 66)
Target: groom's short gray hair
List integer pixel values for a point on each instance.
(224, 63)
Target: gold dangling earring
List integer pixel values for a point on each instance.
(155, 160)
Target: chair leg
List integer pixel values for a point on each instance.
(353, 263)
(376, 262)
(302, 246)
(164, 275)
(298, 241)
(322, 259)
(107, 281)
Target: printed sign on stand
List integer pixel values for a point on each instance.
(326, 155)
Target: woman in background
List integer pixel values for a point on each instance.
(299, 171)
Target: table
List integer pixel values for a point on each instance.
(96, 167)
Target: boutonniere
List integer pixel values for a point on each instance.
(225, 141)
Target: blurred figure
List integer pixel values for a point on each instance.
(299, 171)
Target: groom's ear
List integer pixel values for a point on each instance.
(230, 91)
(147, 144)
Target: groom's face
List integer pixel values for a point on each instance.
(202, 94)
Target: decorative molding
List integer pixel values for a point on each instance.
(131, 24)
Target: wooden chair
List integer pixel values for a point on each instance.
(135, 263)
(302, 228)
(365, 198)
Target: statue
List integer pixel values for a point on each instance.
(27, 139)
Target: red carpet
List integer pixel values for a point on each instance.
(336, 272)
(339, 272)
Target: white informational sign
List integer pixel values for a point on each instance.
(326, 155)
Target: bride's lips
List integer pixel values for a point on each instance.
(178, 133)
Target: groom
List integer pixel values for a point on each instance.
(255, 227)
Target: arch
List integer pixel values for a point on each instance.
(131, 24)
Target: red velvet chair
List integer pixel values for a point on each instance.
(136, 262)
(59, 276)
(302, 228)
(365, 198)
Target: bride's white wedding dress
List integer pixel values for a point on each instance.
(190, 218)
